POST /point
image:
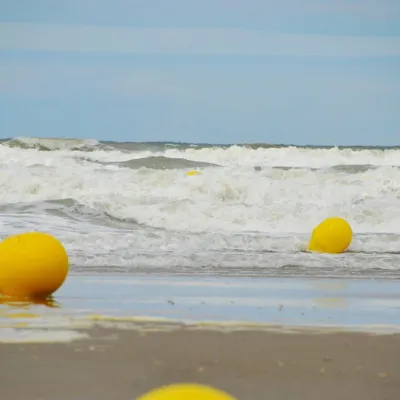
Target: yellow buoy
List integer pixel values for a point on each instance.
(32, 265)
(332, 235)
(193, 172)
(186, 392)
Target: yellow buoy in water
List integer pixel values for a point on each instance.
(32, 265)
(186, 392)
(193, 172)
(332, 235)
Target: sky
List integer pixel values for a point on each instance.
(319, 72)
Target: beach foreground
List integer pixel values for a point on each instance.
(251, 364)
(110, 337)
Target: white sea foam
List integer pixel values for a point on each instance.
(122, 216)
(288, 156)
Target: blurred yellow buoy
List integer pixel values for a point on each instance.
(32, 265)
(193, 172)
(186, 392)
(332, 235)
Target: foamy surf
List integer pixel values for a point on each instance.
(131, 207)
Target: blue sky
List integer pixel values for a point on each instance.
(287, 71)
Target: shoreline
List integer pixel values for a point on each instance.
(118, 337)
(351, 305)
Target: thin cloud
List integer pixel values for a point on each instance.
(189, 41)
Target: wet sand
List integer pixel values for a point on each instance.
(252, 364)
(113, 337)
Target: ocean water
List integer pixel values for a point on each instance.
(130, 207)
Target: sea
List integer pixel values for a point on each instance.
(131, 208)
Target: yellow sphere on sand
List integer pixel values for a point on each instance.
(332, 235)
(186, 392)
(32, 265)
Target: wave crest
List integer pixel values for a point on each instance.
(53, 144)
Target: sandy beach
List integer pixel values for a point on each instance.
(249, 364)
(282, 339)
